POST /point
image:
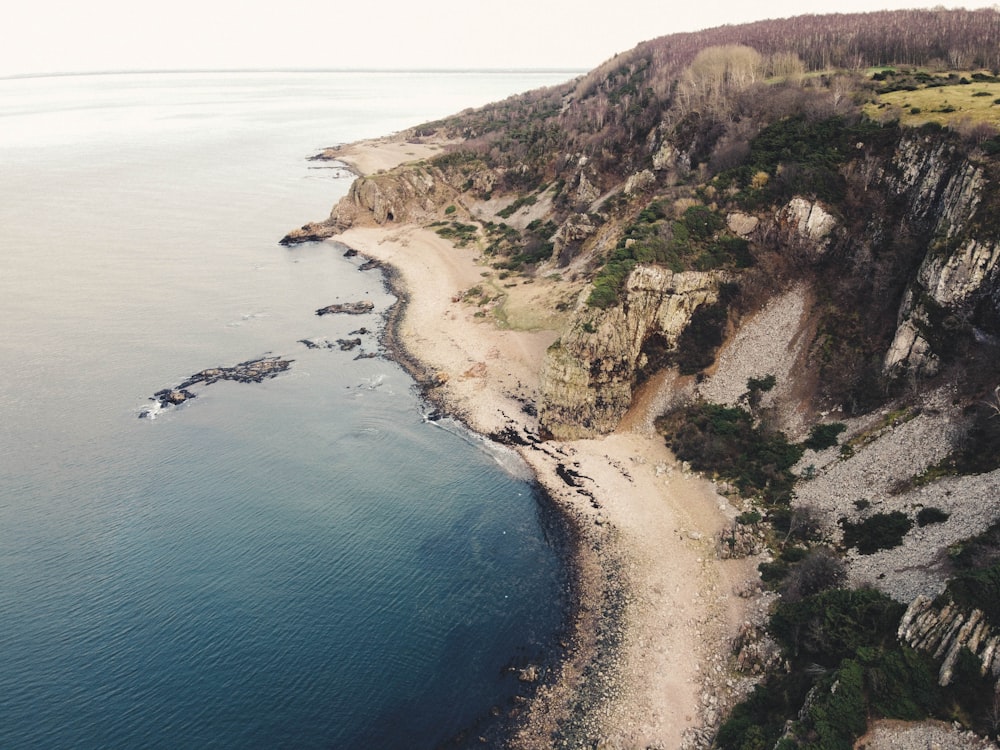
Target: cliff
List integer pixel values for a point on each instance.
(731, 220)
(590, 373)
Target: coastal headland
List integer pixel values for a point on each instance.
(645, 662)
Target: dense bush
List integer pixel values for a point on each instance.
(808, 152)
(518, 203)
(724, 440)
(842, 646)
(980, 551)
(818, 570)
(880, 531)
(980, 450)
(756, 388)
(522, 249)
(695, 241)
(838, 715)
(977, 589)
(824, 435)
(833, 625)
(459, 233)
(758, 722)
(931, 515)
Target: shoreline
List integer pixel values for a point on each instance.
(581, 629)
(646, 660)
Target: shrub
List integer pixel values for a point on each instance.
(696, 240)
(839, 715)
(756, 388)
(702, 222)
(980, 551)
(758, 722)
(609, 282)
(818, 570)
(977, 589)
(725, 440)
(833, 625)
(518, 203)
(931, 515)
(794, 554)
(824, 435)
(773, 572)
(901, 683)
(880, 531)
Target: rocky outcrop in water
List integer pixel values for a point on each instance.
(251, 371)
(311, 232)
(347, 308)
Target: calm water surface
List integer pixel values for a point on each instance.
(304, 562)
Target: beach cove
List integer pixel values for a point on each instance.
(646, 661)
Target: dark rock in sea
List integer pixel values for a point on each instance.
(366, 355)
(347, 344)
(350, 252)
(349, 308)
(172, 396)
(310, 344)
(251, 371)
(360, 332)
(368, 265)
(312, 232)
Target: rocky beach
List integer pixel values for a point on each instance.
(645, 663)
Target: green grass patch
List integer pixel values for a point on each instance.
(943, 104)
(695, 241)
(460, 234)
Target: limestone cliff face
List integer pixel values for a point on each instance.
(960, 272)
(404, 195)
(589, 374)
(408, 194)
(927, 188)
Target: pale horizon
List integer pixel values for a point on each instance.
(51, 37)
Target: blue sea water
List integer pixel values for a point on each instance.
(305, 562)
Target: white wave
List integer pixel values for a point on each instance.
(150, 411)
(505, 457)
(246, 318)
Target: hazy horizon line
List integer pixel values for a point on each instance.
(343, 69)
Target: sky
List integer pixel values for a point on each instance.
(60, 36)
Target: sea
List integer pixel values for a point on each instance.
(305, 562)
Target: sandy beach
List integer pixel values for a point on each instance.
(646, 665)
(375, 155)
